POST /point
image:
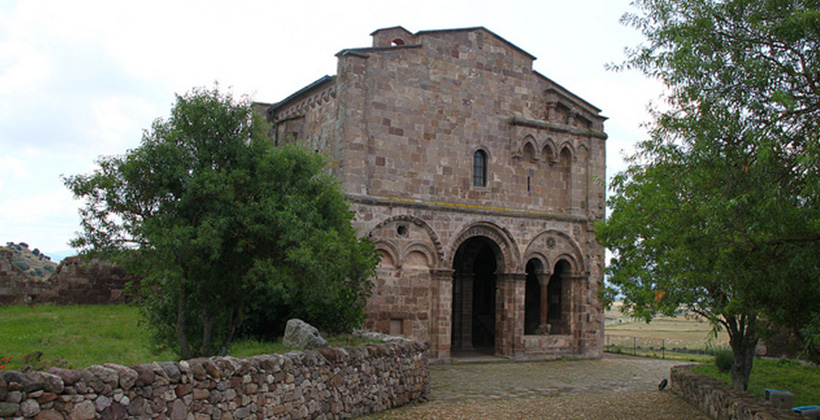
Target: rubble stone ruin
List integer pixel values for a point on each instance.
(478, 180)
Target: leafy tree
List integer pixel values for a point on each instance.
(718, 210)
(211, 216)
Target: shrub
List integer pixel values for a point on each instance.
(724, 360)
(20, 263)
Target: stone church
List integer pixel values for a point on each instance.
(477, 178)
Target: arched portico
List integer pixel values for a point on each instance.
(485, 294)
(474, 295)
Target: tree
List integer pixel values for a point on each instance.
(718, 211)
(207, 212)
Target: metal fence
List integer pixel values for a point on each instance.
(650, 345)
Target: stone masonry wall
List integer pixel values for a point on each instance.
(718, 400)
(74, 282)
(16, 285)
(322, 384)
(402, 123)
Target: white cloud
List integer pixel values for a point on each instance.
(40, 219)
(118, 122)
(12, 166)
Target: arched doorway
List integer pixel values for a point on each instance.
(558, 298)
(474, 295)
(533, 297)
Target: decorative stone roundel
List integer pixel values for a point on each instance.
(551, 242)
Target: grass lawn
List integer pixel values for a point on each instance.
(85, 335)
(785, 375)
(81, 335)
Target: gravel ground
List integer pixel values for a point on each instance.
(611, 388)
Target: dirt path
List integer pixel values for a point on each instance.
(611, 388)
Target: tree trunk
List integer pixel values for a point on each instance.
(182, 338)
(743, 339)
(207, 330)
(233, 323)
(742, 365)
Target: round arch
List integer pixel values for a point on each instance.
(508, 257)
(554, 245)
(432, 249)
(390, 250)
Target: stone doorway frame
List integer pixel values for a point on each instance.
(509, 299)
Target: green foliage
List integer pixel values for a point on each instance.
(802, 381)
(724, 360)
(718, 211)
(213, 218)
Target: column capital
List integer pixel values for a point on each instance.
(513, 277)
(442, 274)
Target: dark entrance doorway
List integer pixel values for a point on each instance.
(534, 309)
(474, 296)
(558, 296)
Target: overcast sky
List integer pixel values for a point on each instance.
(84, 78)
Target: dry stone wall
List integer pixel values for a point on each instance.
(718, 400)
(329, 383)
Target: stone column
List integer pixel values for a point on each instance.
(509, 325)
(544, 281)
(441, 313)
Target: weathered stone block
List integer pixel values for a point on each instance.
(8, 409)
(301, 335)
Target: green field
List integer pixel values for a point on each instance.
(684, 334)
(74, 336)
(79, 336)
(688, 333)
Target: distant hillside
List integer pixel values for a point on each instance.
(36, 264)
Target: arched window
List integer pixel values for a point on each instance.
(480, 168)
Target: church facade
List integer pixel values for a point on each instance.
(477, 178)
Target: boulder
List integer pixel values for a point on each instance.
(301, 335)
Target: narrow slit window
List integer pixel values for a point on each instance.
(480, 169)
